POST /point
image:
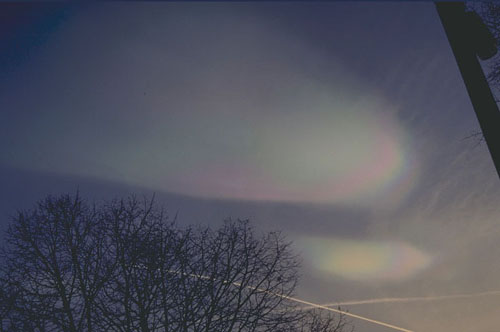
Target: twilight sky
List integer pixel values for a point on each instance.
(341, 124)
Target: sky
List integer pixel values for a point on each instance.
(341, 124)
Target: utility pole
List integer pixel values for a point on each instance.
(469, 39)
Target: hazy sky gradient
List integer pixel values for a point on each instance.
(340, 123)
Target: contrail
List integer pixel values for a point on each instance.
(409, 299)
(325, 307)
(309, 304)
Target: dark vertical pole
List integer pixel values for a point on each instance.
(465, 40)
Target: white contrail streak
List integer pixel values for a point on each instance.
(409, 299)
(309, 304)
(324, 307)
(320, 306)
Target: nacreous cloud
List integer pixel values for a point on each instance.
(365, 260)
(172, 99)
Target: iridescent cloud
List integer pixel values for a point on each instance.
(352, 153)
(230, 118)
(365, 260)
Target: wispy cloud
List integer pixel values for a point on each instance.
(408, 299)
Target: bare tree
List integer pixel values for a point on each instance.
(123, 266)
(240, 282)
(319, 321)
(490, 14)
(54, 263)
(142, 251)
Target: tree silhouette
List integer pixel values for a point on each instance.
(124, 266)
(490, 14)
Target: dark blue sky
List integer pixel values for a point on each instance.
(340, 123)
